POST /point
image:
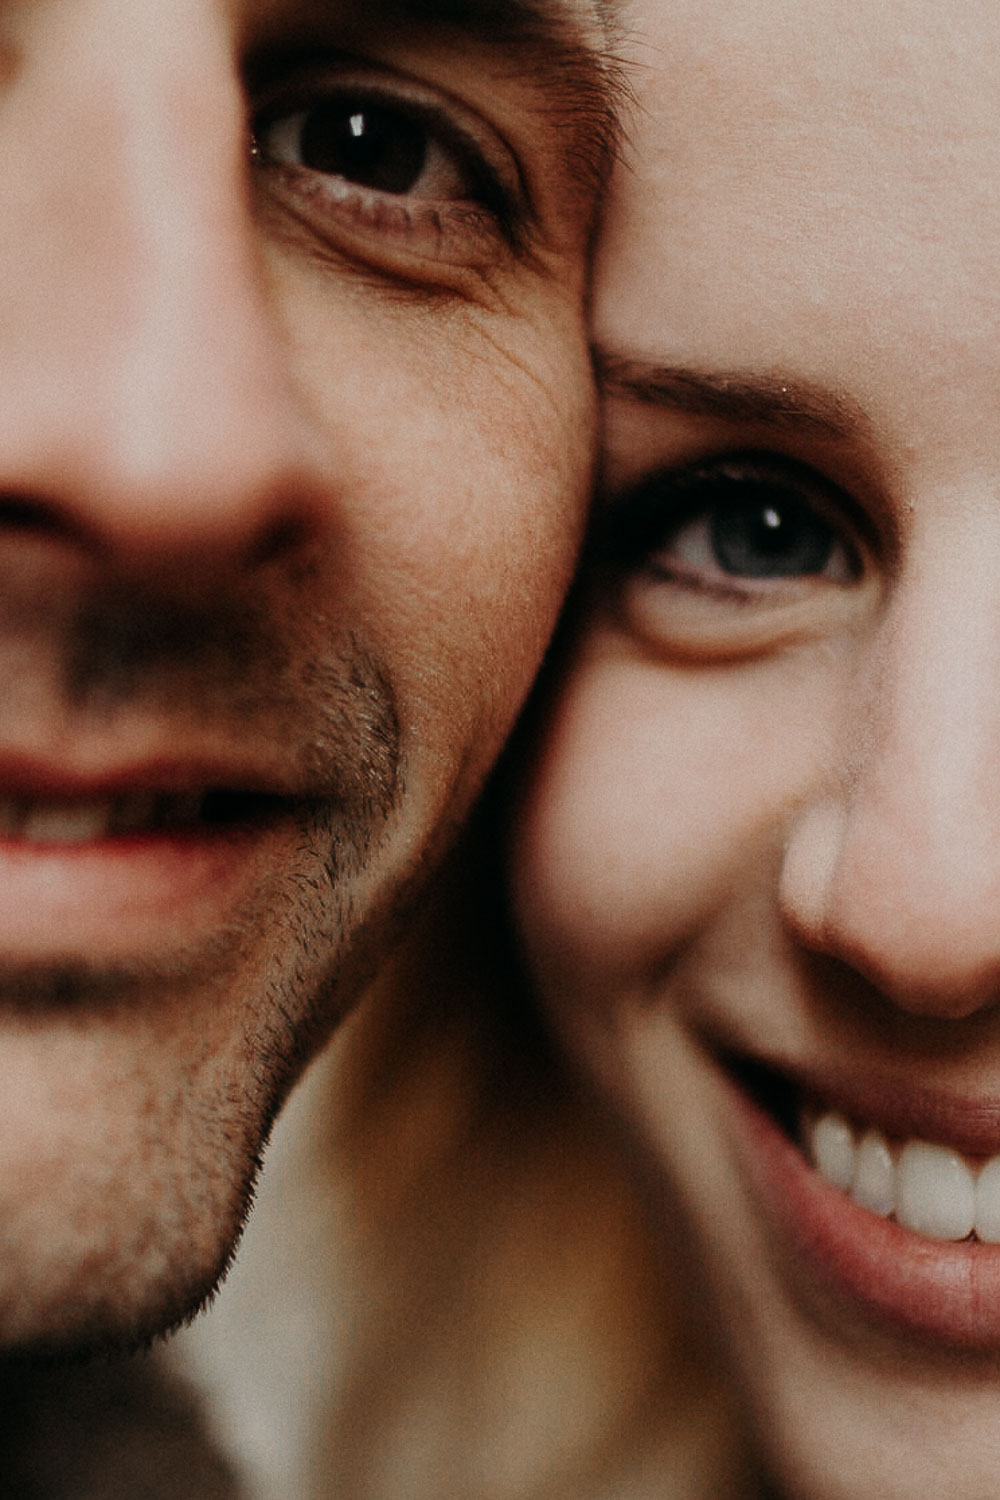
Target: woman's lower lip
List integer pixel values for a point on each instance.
(936, 1290)
(122, 898)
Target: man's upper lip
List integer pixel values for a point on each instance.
(73, 779)
(902, 1107)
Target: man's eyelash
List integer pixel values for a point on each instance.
(494, 203)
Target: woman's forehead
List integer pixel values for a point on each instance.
(810, 189)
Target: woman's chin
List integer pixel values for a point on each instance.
(868, 1353)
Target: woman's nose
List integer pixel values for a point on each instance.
(147, 409)
(894, 865)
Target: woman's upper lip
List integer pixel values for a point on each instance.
(903, 1105)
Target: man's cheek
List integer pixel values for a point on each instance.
(461, 513)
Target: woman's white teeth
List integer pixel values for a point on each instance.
(78, 821)
(834, 1153)
(874, 1184)
(988, 1202)
(935, 1192)
(930, 1189)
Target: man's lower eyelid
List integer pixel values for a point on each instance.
(489, 195)
(426, 246)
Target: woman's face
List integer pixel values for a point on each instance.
(757, 867)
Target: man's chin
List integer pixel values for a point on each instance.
(129, 1149)
(138, 1094)
(64, 1328)
(119, 1272)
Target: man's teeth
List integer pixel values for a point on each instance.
(929, 1189)
(38, 820)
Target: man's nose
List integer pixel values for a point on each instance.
(147, 408)
(894, 865)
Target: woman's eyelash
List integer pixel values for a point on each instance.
(745, 518)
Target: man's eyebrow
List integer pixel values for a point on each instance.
(568, 45)
(733, 396)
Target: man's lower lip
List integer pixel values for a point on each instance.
(936, 1290)
(125, 897)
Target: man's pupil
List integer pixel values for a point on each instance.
(372, 147)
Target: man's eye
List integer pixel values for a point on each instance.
(388, 172)
(371, 146)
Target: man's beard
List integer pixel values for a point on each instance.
(241, 671)
(232, 663)
(238, 671)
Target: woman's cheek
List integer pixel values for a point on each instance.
(618, 845)
(654, 797)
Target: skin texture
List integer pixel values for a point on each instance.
(764, 812)
(292, 478)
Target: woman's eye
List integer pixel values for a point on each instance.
(763, 535)
(733, 557)
(371, 146)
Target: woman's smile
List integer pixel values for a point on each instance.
(903, 1227)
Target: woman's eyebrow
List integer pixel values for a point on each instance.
(735, 396)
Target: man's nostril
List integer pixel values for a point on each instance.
(19, 514)
(282, 536)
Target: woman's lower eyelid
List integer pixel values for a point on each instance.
(766, 593)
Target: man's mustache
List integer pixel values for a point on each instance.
(241, 665)
(112, 641)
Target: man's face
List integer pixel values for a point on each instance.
(296, 439)
(759, 866)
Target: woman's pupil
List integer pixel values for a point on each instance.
(371, 146)
(769, 538)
